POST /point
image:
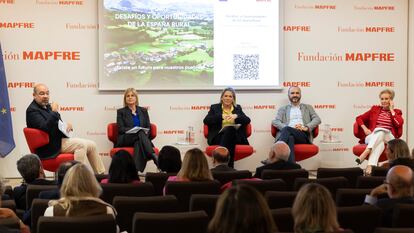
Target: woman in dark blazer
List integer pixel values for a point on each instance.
(227, 113)
(128, 117)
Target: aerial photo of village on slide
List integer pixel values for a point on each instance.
(148, 42)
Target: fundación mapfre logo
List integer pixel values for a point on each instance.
(72, 109)
(297, 84)
(387, 84)
(324, 106)
(297, 28)
(17, 25)
(375, 8)
(60, 2)
(347, 57)
(315, 6)
(7, 1)
(51, 55)
(20, 84)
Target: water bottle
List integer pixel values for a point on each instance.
(191, 135)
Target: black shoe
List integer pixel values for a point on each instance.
(358, 161)
(264, 162)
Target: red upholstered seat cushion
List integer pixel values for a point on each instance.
(130, 150)
(305, 151)
(241, 151)
(302, 151)
(53, 164)
(358, 149)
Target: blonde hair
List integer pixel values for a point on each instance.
(387, 91)
(195, 166)
(233, 92)
(397, 148)
(242, 209)
(314, 209)
(133, 91)
(79, 184)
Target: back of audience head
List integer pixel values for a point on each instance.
(122, 168)
(63, 168)
(314, 210)
(279, 151)
(195, 166)
(30, 168)
(397, 148)
(220, 155)
(242, 209)
(169, 159)
(80, 182)
(400, 179)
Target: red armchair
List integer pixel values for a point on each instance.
(358, 149)
(36, 138)
(302, 151)
(112, 131)
(240, 152)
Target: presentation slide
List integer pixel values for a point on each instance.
(189, 44)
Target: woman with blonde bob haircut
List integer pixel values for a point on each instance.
(314, 210)
(242, 209)
(131, 116)
(79, 194)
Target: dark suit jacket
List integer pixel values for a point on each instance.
(369, 119)
(223, 167)
(387, 205)
(125, 122)
(214, 121)
(278, 165)
(19, 192)
(45, 120)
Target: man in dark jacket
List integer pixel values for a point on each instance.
(398, 185)
(278, 159)
(221, 159)
(31, 170)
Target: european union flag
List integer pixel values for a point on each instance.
(6, 128)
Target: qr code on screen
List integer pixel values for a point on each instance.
(246, 66)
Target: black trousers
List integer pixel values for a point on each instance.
(228, 138)
(142, 148)
(292, 136)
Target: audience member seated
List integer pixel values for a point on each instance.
(220, 159)
(31, 170)
(122, 169)
(194, 168)
(79, 195)
(52, 194)
(314, 210)
(61, 172)
(398, 185)
(8, 213)
(278, 159)
(242, 209)
(398, 153)
(169, 159)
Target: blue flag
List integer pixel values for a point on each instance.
(6, 128)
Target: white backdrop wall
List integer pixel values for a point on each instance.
(321, 38)
(410, 85)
